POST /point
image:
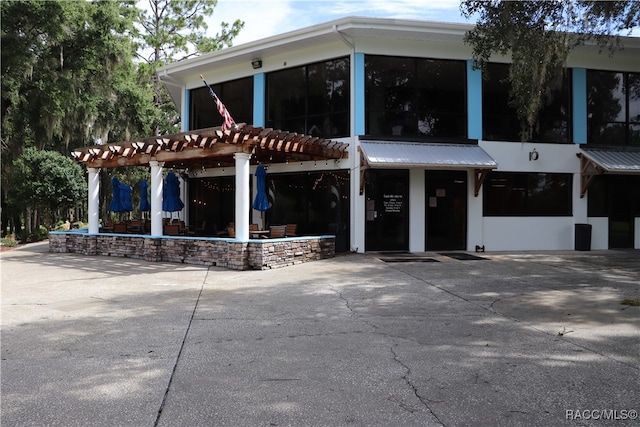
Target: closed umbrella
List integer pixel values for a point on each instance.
(171, 194)
(126, 202)
(116, 204)
(144, 200)
(261, 202)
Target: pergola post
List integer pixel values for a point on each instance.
(242, 196)
(93, 200)
(156, 197)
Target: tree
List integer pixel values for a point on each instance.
(46, 185)
(67, 79)
(540, 35)
(174, 30)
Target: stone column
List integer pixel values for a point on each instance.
(93, 200)
(243, 198)
(156, 197)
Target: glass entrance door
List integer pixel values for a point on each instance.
(446, 210)
(622, 208)
(387, 210)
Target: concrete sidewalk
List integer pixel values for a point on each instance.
(512, 339)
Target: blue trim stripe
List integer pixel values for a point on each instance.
(474, 102)
(259, 99)
(579, 82)
(358, 90)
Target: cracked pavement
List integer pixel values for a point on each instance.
(513, 339)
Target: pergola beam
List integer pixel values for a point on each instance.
(197, 146)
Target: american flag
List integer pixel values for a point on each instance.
(227, 120)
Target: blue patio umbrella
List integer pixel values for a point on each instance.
(144, 200)
(116, 204)
(125, 197)
(261, 202)
(171, 194)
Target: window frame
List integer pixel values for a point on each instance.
(504, 205)
(416, 118)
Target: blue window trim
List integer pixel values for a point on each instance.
(186, 107)
(259, 97)
(474, 102)
(359, 101)
(579, 91)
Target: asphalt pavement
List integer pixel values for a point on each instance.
(510, 339)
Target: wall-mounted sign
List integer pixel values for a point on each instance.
(392, 203)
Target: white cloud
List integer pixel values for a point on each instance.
(264, 18)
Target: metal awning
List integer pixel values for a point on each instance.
(380, 154)
(598, 161)
(388, 154)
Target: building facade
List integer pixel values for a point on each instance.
(435, 158)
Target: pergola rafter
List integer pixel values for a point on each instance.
(212, 147)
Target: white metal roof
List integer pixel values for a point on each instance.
(387, 154)
(614, 161)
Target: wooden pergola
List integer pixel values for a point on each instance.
(212, 147)
(203, 148)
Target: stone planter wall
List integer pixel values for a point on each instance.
(260, 254)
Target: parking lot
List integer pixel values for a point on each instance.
(427, 339)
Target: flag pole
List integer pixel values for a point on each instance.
(227, 120)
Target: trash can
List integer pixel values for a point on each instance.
(340, 231)
(583, 237)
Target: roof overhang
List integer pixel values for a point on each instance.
(599, 161)
(210, 148)
(403, 155)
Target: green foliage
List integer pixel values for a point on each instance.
(46, 181)
(539, 36)
(69, 79)
(9, 241)
(173, 30)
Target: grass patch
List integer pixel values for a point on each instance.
(8, 241)
(631, 301)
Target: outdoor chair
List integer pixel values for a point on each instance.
(120, 227)
(277, 231)
(135, 227)
(199, 231)
(290, 230)
(107, 227)
(171, 229)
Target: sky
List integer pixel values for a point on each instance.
(264, 18)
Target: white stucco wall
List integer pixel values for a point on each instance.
(528, 233)
(599, 232)
(417, 212)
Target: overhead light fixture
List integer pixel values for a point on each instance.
(256, 63)
(533, 155)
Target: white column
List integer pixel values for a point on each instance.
(417, 214)
(357, 200)
(156, 198)
(93, 200)
(243, 198)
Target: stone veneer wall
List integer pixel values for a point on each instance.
(261, 254)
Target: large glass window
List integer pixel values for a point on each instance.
(313, 99)
(500, 118)
(613, 108)
(212, 204)
(527, 194)
(314, 201)
(415, 97)
(236, 95)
